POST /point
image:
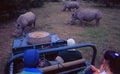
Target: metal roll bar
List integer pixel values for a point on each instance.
(54, 49)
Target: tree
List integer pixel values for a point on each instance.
(12, 8)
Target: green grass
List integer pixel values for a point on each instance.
(105, 36)
(98, 34)
(45, 26)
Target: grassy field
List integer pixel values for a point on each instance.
(106, 36)
(50, 18)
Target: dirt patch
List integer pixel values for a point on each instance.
(5, 43)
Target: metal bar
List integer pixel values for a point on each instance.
(74, 46)
(72, 70)
(57, 49)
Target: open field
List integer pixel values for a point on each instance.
(50, 18)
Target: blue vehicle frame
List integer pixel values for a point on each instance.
(59, 45)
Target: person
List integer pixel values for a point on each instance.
(70, 54)
(31, 61)
(71, 42)
(110, 64)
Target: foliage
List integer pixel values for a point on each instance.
(108, 3)
(12, 8)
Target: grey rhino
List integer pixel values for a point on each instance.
(17, 33)
(24, 20)
(70, 5)
(86, 14)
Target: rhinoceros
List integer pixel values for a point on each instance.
(86, 14)
(70, 5)
(25, 20)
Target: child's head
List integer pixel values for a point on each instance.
(113, 60)
(31, 58)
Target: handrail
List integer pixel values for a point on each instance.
(63, 65)
(55, 49)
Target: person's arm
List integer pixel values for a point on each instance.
(96, 70)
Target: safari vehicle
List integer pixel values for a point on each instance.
(74, 63)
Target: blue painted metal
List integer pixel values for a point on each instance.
(21, 43)
(58, 49)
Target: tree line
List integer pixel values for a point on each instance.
(12, 8)
(109, 3)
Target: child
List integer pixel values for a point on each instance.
(31, 61)
(110, 63)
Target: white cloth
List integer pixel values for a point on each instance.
(59, 59)
(71, 42)
(103, 72)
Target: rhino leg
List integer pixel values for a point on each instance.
(97, 22)
(23, 31)
(30, 24)
(17, 33)
(64, 8)
(34, 23)
(69, 9)
(72, 21)
(76, 7)
(81, 22)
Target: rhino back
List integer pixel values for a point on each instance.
(71, 4)
(87, 14)
(26, 18)
(29, 16)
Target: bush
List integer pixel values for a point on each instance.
(37, 3)
(12, 8)
(109, 3)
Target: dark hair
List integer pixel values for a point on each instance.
(113, 60)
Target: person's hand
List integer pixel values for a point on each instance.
(102, 68)
(96, 70)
